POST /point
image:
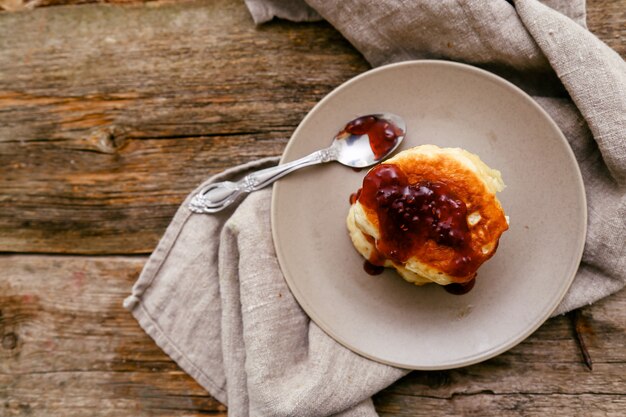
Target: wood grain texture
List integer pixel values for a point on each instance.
(607, 20)
(24, 5)
(105, 128)
(69, 348)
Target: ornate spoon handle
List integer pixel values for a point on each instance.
(217, 196)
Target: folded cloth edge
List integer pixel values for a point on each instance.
(133, 302)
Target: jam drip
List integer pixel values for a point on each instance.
(383, 135)
(411, 214)
(460, 288)
(355, 196)
(373, 269)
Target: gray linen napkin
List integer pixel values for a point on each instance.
(212, 295)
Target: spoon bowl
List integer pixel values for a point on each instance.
(363, 141)
(359, 150)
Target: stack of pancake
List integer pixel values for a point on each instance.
(429, 212)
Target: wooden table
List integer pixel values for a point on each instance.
(109, 115)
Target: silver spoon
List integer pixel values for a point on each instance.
(364, 141)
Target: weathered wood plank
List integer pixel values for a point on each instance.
(68, 348)
(607, 20)
(110, 202)
(488, 404)
(24, 5)
(104, 128)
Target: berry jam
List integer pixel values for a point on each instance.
(355, 196)
(372, 269)
(460, 288)
(383, 135)
(411, 214)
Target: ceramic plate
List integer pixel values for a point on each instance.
(385, 318)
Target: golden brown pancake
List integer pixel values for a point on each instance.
(431, 213)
